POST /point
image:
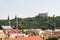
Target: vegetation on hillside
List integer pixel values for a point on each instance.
(43, 22)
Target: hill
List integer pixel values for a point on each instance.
(43, 22)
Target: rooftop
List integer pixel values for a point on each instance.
(27, 38)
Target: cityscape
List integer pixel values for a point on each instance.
(29, 19)
(41, 27)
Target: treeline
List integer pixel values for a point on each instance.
(43, 22)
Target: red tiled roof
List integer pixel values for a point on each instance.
(13, 31)
(27, 38)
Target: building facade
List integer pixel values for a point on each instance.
(43, 14)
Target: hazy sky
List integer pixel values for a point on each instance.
(28, 8)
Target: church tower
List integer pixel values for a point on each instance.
(16, 22)
(8, 21)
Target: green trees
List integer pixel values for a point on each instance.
(53, 38)
(42, 22)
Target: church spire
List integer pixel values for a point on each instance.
(8, 20)
(16, 22)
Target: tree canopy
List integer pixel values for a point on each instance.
(43, 22)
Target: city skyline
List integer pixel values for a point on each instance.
(28, 8)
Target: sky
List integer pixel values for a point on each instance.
(28, 8)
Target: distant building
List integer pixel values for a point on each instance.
(57, 32)
(6, 27)
(43, 14)
(7, 31)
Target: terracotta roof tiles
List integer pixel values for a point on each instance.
(27, 38)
